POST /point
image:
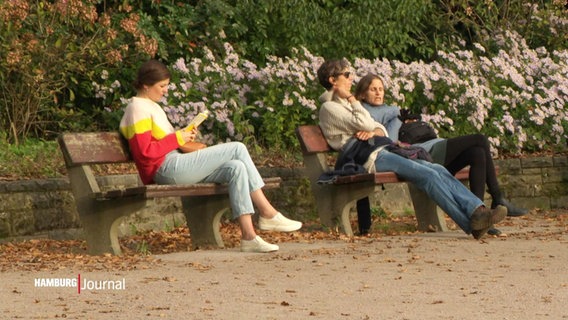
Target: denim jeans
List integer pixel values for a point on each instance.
(223, 163)
(447, 191)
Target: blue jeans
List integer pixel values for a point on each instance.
(447, 191)
(223, 163)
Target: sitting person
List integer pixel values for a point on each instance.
(453, 153)
(347, 125)
(154, 146)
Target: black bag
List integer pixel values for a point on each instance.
(416, 132)
(410, 152)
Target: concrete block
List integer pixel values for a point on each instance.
(555, 174)
(532, 202)
(536, 162)
(508, 166)
(22, 222)
(393, 198)
(5, 228)
(560, 161)
(560, 202)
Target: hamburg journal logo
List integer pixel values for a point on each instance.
(81, 284)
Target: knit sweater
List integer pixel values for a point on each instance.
(340, 120)
(150, 136)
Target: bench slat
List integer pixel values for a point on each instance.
(354, 178)
(175, 190)
(386, 177)
(93, 148)
(119, 193)
(312, 140)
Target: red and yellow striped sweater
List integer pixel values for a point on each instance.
(150, 136)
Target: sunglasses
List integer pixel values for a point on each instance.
(346, 74)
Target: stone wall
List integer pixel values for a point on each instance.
(45, 208)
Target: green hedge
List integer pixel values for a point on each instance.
(54, 52)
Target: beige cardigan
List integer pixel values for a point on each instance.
(340, 120)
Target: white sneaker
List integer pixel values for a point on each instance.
(278, 223)
(257, 245)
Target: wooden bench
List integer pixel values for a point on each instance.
(334, 201)
(101, 209)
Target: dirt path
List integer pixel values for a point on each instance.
(416, 276)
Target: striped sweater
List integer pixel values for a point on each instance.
(150, 136)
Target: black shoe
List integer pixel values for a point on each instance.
(512, 211)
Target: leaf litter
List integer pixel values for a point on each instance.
(139, 250)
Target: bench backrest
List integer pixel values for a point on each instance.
(315, 150)
(312, 140)
(93, 148)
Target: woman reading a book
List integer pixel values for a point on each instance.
(154, 145)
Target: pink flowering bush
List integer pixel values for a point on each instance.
(247, 102)
(518, 97)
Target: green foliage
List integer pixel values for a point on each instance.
(406, 30)
(379, 212)
(331, 28)
(287, 93)
(143, 248)
(53, 53)
(30, 159)
(50, 52)
(540, 22)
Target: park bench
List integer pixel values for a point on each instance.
(102, 208)
(334, 201)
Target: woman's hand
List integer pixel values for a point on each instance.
(364, 135)
(189, 136)
(345, 94)
(379, 132)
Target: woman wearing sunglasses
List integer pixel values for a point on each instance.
(347, 125)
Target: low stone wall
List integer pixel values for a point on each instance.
(45, 208)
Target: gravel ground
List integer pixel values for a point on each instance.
(406, 276)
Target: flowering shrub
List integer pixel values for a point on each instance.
(50, 50)
(517, 98)
(246, 101)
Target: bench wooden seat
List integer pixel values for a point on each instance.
(334, 201)
(101, 208)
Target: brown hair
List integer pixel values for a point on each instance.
(150, 73)
(330, 68)
(363, 85)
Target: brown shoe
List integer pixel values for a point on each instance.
(483, 218)
(477, 234)
(492, 231)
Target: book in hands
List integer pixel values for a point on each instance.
(197, 120)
